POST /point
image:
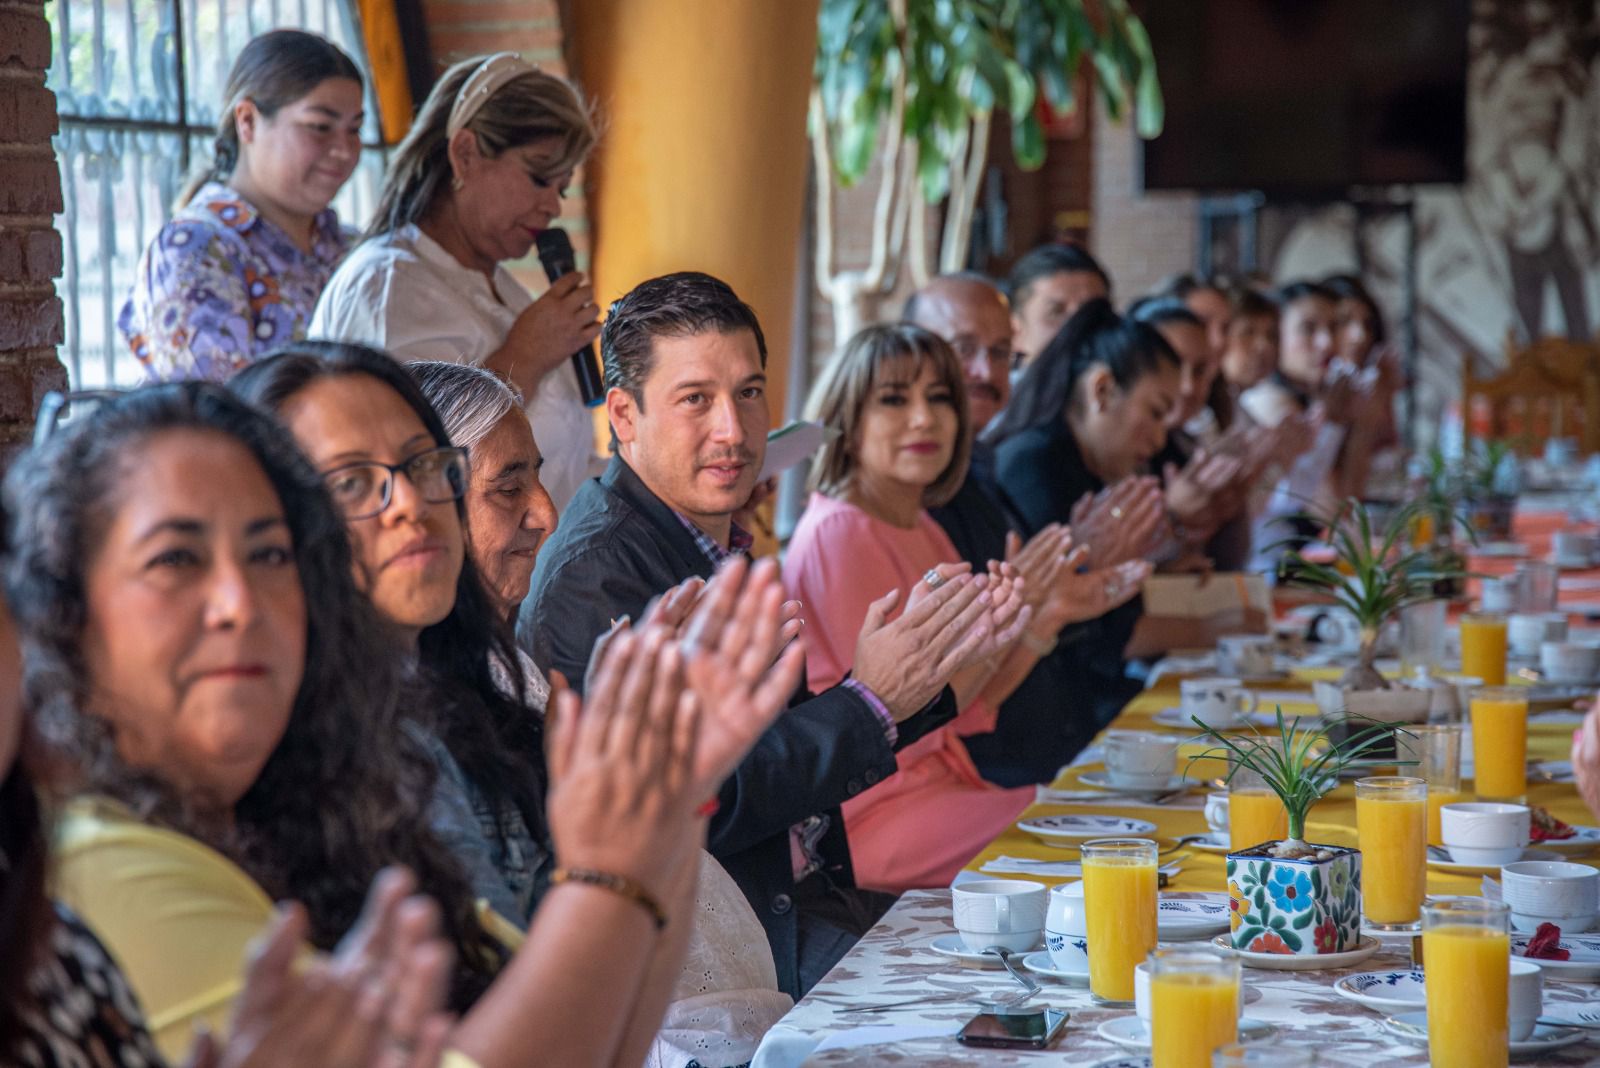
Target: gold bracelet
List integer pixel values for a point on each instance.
(617, 884)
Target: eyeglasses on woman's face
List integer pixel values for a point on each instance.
(363, 490)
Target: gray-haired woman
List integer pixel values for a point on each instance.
(509, 512)
(481, 173)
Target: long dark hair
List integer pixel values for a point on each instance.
(273, 70)
(26, 920)
(1095, 336)
(495, 736)
(345, 791)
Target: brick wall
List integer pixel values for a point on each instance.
(1139, 239)
(30, 247)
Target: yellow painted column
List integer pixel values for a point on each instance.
(703, 154)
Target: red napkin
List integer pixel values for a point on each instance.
(1543, 944)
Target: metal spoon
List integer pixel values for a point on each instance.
(1029, 986)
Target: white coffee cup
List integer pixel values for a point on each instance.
(1526, 632)
(1568, 661)
(1551, 891)
(1140, 759)
(1066, 928)
(1217, 812)
(1141, 993)
(1499, 595)
(1484, 832)
(999, 912)
(1216, 702)
(1525, 1000)
(1246, 655)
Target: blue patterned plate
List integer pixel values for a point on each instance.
(1413, 1027)
(1071, 831)
(1384, 991)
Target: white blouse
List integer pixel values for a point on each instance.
(402, 292)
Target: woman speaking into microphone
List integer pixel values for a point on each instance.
(478, 178)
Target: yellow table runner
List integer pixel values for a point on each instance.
(1331, 822)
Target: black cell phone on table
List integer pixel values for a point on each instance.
(1014, 1030)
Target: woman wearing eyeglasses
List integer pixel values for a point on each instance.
(253, 241)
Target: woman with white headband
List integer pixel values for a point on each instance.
(481, 173)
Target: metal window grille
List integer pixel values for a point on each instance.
(138, 86)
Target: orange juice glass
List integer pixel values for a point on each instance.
(1436, 748)
(1392, 824)
(1483, 647)
(1119, 902)
(1466, 951)
(1194, 1006)
(1255, 813)
(1500, 743)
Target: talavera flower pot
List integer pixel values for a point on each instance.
(1301, 907)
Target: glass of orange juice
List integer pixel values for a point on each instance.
(1255, 813)
(1392, 824)
(1194, 1006)
(1500, 743)
(1119, 903)
(1436, 748)
(1466, 948)
(1483, 647)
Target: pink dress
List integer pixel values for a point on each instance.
(920, 826)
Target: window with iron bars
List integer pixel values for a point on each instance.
(138, 85)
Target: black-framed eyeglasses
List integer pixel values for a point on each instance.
(58, 408)
(363, 490)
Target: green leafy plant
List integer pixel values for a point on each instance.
(1374, 574)
(914, 85)
(1302, 766)
(1482, 470)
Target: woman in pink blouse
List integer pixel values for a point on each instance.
(895, 395)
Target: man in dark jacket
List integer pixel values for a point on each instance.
(685, 369)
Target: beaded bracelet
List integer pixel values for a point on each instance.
(617, 884)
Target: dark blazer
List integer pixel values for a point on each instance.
(617, 547)
(1041, 475)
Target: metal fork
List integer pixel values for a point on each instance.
(1029, 986)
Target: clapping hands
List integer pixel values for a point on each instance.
(1124, 521)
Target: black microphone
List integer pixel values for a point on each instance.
(555, 252)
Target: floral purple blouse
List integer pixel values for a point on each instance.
(220, 286)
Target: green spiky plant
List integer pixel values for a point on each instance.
(1375, 573)
(1303, 766)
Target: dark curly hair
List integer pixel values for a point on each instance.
(344, 792)
(495, 736)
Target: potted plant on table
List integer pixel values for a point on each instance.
(1491, 479)
(1292, 896)
(1372, 575)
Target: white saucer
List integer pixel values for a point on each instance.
(1583, 838)
(1191, 914)
(1177, 717)
(1129, 1032)
(1500, 550)
(1101, 780)
(1413, 1027)
(950, 945)
(1434, 862)
(1387, 992)
(1040, 963)
(1584, 964)
(1212, 843)
(1571, 563)
(1286, 962)
(1072, 830)
(1123, 1062)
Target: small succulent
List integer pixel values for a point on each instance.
(1302, 766)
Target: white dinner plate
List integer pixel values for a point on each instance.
(1387, 992)
(1583, 964)
(1073, 830)
(1413, 1027)
(1288, 962)
(1130, 1032)
(1439, 860)
(950, 945)
(1191, 914)
(1041, 964)
(1583, 838)
(1101, 780)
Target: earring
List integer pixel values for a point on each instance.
(456, 184)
